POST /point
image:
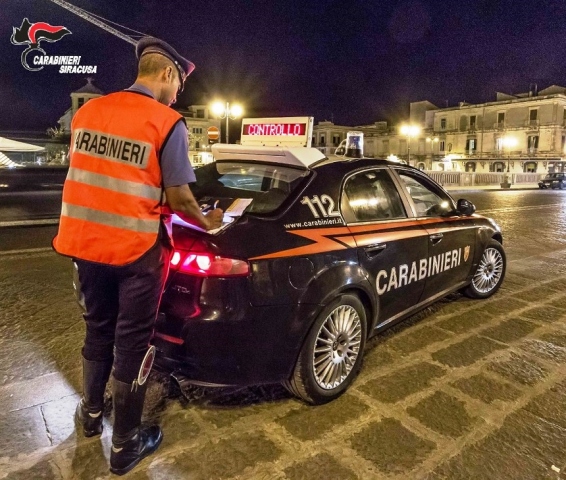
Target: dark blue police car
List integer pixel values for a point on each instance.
(329, 252)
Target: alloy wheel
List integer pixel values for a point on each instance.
(489, 271)
(337, 347)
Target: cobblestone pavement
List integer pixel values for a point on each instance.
(464, 390)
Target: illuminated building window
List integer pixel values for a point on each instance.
(532, 143)
(471, 145)
(498, 167)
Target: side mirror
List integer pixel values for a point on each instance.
(340, 151)
(465, 207)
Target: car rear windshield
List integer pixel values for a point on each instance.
(267, 184)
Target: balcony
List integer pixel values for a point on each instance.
(532, 124)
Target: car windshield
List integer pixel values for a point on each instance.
(267, 184)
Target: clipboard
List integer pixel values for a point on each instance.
(233, 208)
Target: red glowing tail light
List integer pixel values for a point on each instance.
(208, 265)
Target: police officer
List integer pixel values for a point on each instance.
(128, 166)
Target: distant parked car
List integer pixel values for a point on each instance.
(553, 180)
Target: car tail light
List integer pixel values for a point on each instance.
(208, 265)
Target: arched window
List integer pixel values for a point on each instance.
(530, 167)
(470, 166)
(498, 167)
(421, 166)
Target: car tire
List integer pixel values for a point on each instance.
(332, 354)
(490, 272)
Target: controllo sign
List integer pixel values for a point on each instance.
(275, 129)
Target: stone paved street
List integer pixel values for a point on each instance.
(464, 390)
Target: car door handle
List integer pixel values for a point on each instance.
(375, 249)
(436, 238)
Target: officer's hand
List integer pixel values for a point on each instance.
(214, 218)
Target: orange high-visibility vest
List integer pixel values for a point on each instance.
(112, 195)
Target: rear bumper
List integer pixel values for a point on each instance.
(261, 346)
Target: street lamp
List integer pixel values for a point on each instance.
(508, 143)
(226, 111)
(410, 131)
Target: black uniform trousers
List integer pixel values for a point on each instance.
(121, 308)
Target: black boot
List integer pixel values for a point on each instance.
(130, 441)
(89, 410)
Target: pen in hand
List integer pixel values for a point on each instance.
(207, 207)
(214, 217)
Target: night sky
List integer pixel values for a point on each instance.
(350, 61)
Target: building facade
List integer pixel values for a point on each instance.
(522, 133)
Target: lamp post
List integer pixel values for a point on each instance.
(507, 143)
(410, 131)
(224, 110)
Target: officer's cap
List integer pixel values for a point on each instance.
(154, 45)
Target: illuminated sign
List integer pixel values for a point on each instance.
(293, 129)
(277, 131)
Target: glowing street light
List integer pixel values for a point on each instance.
(224, 110)
(508, 143)
(410, 131)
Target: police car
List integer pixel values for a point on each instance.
(317, 255)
